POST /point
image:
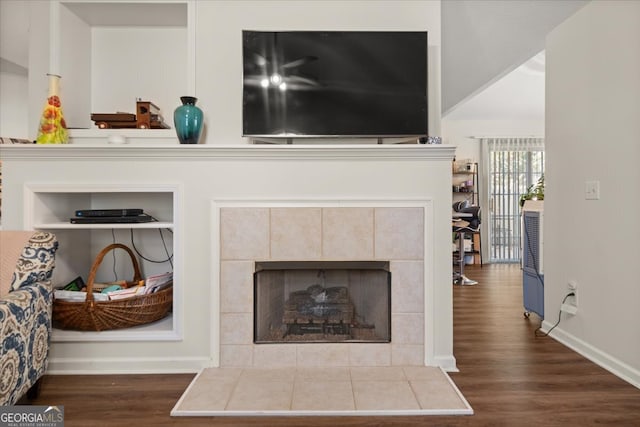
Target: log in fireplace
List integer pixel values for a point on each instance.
(322, 301)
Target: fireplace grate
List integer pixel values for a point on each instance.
(318, 328)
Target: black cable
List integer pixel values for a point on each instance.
(543, 334)
(164, 244)
(113, 255)
(169, 258)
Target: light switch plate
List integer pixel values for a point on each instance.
(592, 190)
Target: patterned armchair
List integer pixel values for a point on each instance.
(27, 260)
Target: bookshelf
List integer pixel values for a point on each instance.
(465, 182)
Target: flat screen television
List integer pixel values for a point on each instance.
(334, 84)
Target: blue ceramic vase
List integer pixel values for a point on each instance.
(187, 119)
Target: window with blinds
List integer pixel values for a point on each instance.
(514, 165)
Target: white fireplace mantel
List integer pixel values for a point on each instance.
(242, 152)
(203, 178)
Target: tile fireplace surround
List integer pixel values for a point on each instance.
(250, 234)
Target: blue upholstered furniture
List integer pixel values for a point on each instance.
(25, 311)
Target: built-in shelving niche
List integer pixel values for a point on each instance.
(50, 206)
(111, 53)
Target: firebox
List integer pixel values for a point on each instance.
(322, 301)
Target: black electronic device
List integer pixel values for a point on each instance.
(108, 212)
(133, 219)
(334, 84)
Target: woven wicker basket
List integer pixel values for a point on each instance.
(91, 315)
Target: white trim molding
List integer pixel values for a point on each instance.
(347, 152)
(600, 358)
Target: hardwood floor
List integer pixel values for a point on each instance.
(509, 376)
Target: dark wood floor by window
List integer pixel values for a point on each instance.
(509, 376)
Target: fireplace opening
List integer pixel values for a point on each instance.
(322, 301)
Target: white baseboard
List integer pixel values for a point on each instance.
(597, 356)
(160, 365)
(104, 366)
(447, 363)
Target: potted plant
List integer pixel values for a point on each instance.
(534, 192)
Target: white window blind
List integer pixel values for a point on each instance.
(513, 164)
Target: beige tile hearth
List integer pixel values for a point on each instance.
(396, 395)
(255, 395)
(322, 391)
(318, 395)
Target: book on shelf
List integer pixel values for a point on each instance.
(16, 141)
(126, 292)
(63, 295)
(158, 282)
(150, 285)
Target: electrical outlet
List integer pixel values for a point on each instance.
(569, 308)
(572, 286)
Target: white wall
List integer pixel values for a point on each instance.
(13, 105)
(14, 31)
(219, 47)
(592, 130)
(24, 47)
(14, 63)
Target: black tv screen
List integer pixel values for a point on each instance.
(334, 83)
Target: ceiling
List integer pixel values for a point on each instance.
(14, 37)
(491, 50)
(519, 95)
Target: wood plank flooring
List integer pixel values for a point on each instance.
(509, 376)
